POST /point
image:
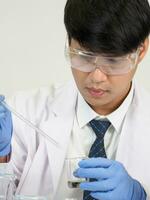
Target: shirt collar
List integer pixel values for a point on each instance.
(85, 113)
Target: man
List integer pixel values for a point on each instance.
(106, 117)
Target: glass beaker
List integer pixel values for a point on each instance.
(72, 165)
(7, 186)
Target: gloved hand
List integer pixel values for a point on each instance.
(112, 180)
(5, 129)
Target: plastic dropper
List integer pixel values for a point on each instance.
(21, 117)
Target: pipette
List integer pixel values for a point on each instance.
(21, 117)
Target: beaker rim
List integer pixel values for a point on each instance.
(7, 175)
(29, 197)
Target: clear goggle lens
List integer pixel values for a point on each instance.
(84, 62)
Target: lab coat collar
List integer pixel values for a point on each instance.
(116, 118)
(59, 111)
(58, 105)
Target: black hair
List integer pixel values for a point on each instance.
(108, 26)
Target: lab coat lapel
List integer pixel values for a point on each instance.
(133, 148)
(56, 154)
(59, 125)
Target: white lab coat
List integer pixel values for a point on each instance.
(38, 163)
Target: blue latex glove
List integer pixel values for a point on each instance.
(5, 129)
(112, 180)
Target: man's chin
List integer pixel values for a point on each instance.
(96, 103)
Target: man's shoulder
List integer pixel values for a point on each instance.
(39, 97)
(141, 94)
(141, 100)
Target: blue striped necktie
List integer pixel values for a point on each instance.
(97, 149)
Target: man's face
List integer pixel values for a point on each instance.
(104, 93)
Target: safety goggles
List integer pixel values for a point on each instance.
(87, 61)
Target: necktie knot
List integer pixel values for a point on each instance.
(99, 127)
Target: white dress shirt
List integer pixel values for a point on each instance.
(83, 137)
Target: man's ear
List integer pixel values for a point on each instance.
(143, 49)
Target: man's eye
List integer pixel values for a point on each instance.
(111, 60)
(85, 58)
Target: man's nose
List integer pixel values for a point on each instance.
(98, 76)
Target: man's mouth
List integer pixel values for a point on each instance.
(96, 92)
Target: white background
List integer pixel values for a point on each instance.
(32, 38)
